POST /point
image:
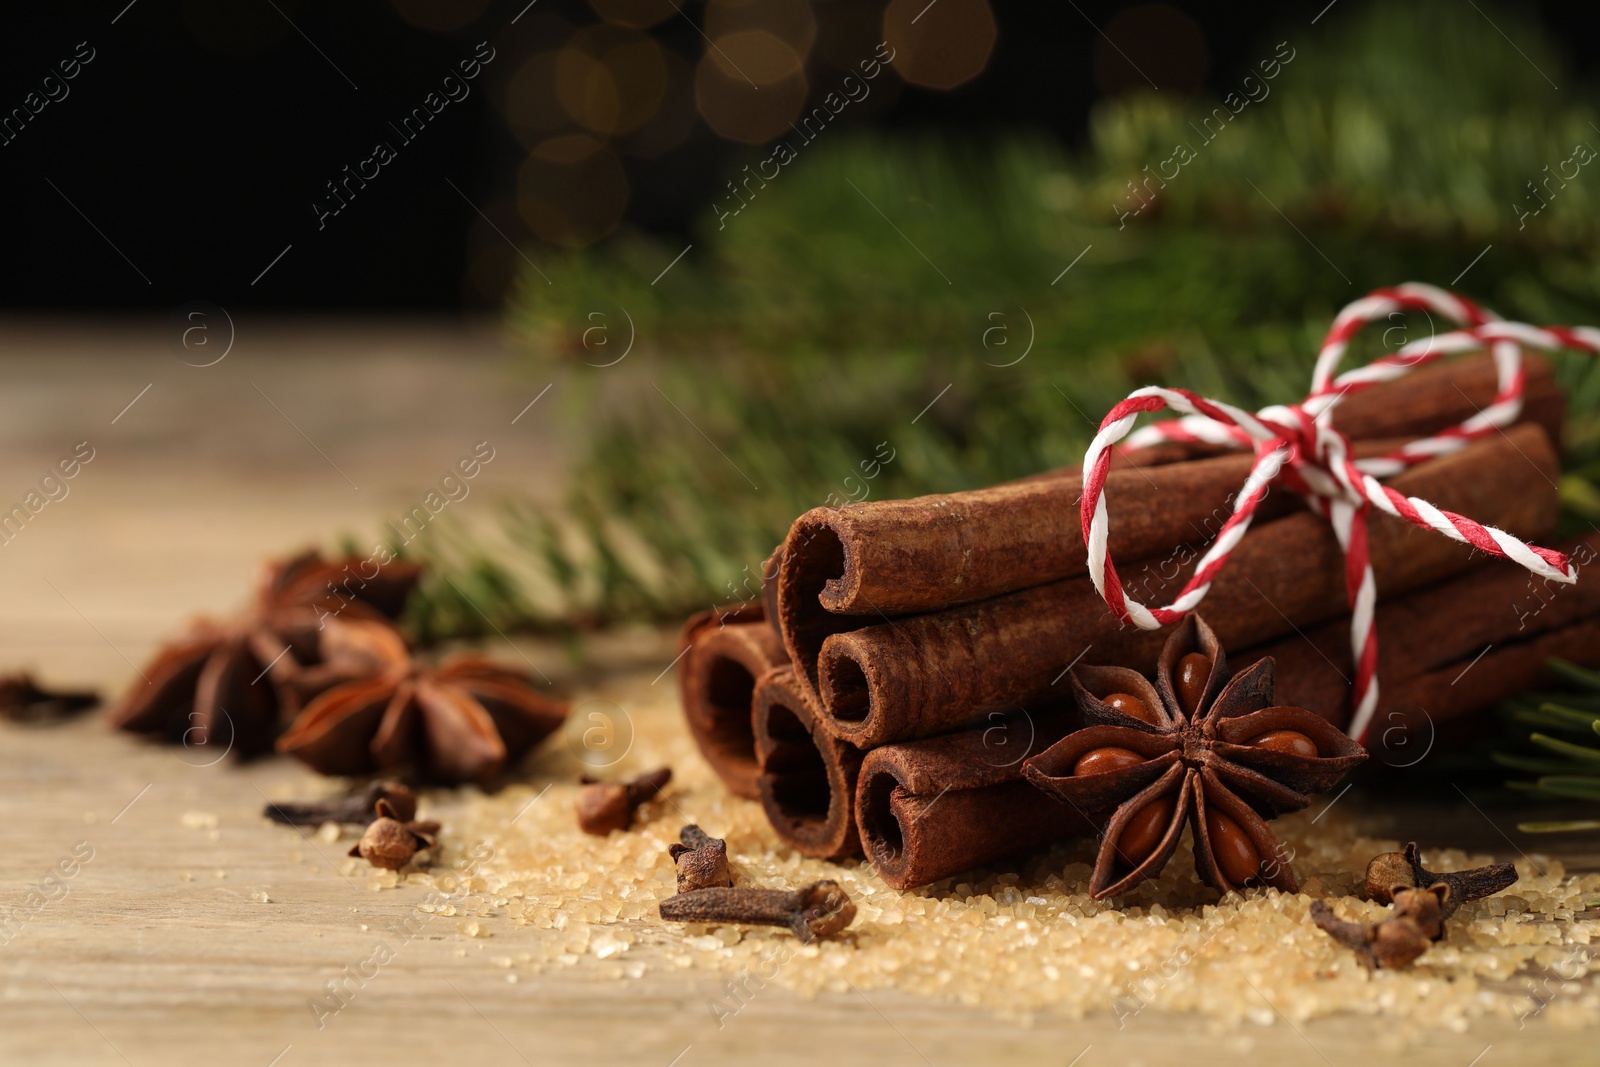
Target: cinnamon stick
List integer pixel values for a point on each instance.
(930, 809)
(808, 777)
(1446, 393)
(908, 556)
(889, 558)
(1437, 697)
(1440, 630)
(924, 675)
(722, 653)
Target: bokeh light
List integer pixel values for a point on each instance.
(572, 190)
(755, 56)
(440, 15)
(1154, 41)
(674, 117)
(587, 91)
(738, 108)
(634, 14)
(940, 45)
(532, 108)
(616, 80)
(791, 21)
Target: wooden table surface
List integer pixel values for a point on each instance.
(159, 949)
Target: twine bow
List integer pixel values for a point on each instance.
(1298, 444)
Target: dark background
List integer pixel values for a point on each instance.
(197, 138)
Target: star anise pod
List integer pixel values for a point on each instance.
(1197, 746)
(333, 585)
(459, 722)
(227, 684)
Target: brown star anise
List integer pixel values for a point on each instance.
(1197, 746)
(462, 721)
(226, 684)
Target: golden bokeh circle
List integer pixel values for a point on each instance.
(941, 45)
(572, 190)
(610, 80)
(755, 57)
(634, 14)
(791, 21)
(532, 108)
(739, 111)
(586, 90)
(674, 117)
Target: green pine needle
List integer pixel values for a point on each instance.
(791, 351)
(1579, 676)
(1560, 828)
(1534, 765)
(1582, 753)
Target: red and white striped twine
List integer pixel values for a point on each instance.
(1298, 443)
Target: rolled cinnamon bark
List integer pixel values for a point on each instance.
(1440, 630)
(1443, 698)
(1447, 393)
(808, 777)
(905, 556)
(897, 557)
(924, 675)
(930, 809)
(769, 589)
(722, 653)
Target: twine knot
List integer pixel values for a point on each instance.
(1297, 447)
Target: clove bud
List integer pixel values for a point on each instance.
(701, 860)
(1392, 871)
(353, 809)
(1416, 921)
(607, 806)
(390, 843)
(813, 911)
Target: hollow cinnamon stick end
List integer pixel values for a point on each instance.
(851, 685)
(808, 778)
(726, 650)
(813, 560)
(884, 828)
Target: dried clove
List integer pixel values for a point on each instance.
(1416, 921)
(23, 700)
(390, 842)
(1392, 871)
(701, 860)
(353, 809)
(607, 806)
(813, 911)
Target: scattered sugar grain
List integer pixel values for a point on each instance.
(1019, 943)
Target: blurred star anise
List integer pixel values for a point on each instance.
(1197, 746)
(462, 721)
(227, 684)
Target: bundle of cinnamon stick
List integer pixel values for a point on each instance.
(908, 655)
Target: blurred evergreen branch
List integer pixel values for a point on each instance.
(805, 331)
(1553, 735)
